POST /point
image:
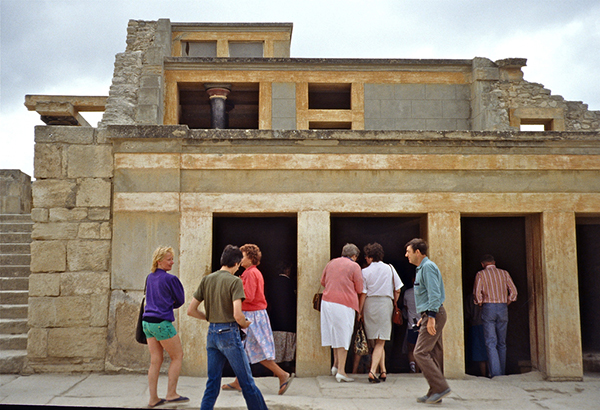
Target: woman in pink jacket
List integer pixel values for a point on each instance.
(343, 282)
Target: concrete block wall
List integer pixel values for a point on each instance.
(435, 107)
(283, 106)
(69, 285)
(15, 192)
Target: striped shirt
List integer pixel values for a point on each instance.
(493, 285)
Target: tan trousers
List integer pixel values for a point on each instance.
(429, 353)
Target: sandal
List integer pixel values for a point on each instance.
(229, 387)
(373, 379)
(383, 376)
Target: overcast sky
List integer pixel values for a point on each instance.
(68, 46)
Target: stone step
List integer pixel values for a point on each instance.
(13, 342)
(9, 259)
(14, 297)
(12, 361)
(13, 311)
(11, 237)
(16, 227)
(15, 218)
(15, 283)
(13, 326)
(15, 271)
(15, 248)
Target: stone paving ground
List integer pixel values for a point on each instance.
(515, 392)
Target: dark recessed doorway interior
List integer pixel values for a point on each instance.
(588, 266)
(392, 233)
(277, 239)
(504, 238)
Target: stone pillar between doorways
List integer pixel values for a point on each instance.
(444, 240)
(313, 254)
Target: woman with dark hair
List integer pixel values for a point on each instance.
(380, 292)
(259, 344)
(164, 292)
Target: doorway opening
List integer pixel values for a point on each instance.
(392, 233)
(505, 239)
(588, 268)
(277, 239)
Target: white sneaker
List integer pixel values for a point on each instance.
(333, 371)
(341, 378)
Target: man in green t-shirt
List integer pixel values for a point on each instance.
(222, 294)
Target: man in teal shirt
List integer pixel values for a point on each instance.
(429, 297)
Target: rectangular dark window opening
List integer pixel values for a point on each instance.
(329, 125)
(329, 96)
(242, 106)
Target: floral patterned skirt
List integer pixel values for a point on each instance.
(259, 343)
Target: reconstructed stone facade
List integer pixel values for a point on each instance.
(15, 192)
(316, 139)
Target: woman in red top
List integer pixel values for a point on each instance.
(259, 344)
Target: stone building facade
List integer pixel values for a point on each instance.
(212, 124)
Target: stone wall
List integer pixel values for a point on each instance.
(69, 286)
(15, 192)
(523, 94)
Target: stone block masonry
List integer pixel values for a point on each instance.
(70, 253)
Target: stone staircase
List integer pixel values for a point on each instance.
(15, 257)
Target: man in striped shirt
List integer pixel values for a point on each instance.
(494, 290)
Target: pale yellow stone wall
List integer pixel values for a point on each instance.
(70, 253)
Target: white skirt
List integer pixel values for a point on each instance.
(337, 324)
(378, 317)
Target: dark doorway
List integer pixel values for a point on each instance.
(277, 239)
(504, 238)
(392, 233)
(588, 266)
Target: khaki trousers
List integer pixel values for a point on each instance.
(429, 353)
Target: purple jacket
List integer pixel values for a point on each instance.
(164, 292)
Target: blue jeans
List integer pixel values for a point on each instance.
(495, 324)
(223, 343)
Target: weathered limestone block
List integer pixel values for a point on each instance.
(40, 214)
(89, 161)
(55, 230)
(105, 230)
(94, 192)
(63, 214)
(44, 284)
(48, 256)
(89, 230)
(53, 193)
(99, 309)
(87, 342)
(37, 343)
(123, 352)
(69, 311)
(99, 214)
(47, 161)
(84, 283)
(88, 255)
(64, 134)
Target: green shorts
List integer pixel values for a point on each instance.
(161, 331)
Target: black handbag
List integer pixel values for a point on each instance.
(140, 336)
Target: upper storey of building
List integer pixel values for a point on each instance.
(241, 76)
